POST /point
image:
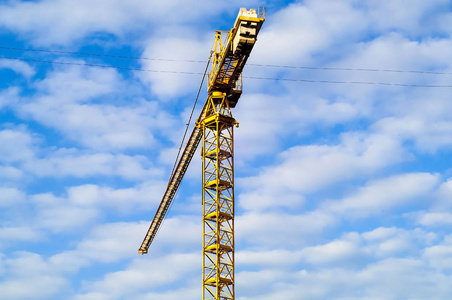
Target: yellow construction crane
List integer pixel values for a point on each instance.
(214, 127)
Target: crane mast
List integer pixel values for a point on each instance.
(214, 127)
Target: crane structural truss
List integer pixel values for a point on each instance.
(214, 127)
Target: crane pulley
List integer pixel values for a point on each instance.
(214, 127)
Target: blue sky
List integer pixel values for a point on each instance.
(343, 190)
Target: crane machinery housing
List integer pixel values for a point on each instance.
(214, 127)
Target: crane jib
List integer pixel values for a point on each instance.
(172, 187)
(229, 60)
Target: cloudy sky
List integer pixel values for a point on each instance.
(343, 173)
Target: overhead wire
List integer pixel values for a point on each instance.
(97, 65)
(351, 69)
(350, 82)
(249, 77)
(101, 55)
(248, 64)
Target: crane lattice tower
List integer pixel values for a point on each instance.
(215, 127)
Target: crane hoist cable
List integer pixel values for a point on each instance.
(185, 133)
(191, 114)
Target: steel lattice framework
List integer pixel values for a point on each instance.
(215, 128)
(218, 199)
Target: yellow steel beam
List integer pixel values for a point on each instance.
(215, 128)
(218, 199)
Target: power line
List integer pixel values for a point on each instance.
(352, 69)
(101, 66)
(249, 77)
(102, 55)
(249, 64)
(351, 82)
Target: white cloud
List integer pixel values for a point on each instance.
(18, 66)
(386, 242)
(72, 162)
(86, 204)
(125, 200)
(56, 215)
(277, 258)
(445, 194)
(341, 142)
(306, 169)
(354, 250)
(30, 277)
(64, 101)
(7, 96)
(192, 292)
(355, 266)
(350, 251)
(143, 273)
(270, 230)
(26, 234)
(33, 287)
(413, 280)
(21, 155)
(36, 20)
(394, 51)
(176, 234)
(440, 256)
(385, 194)
(11, 196)
(439, 213)
(418, 115)
(77, 84)
(417, 17)
(10, 173)
(108, 243)
(259, 284)
(376, 281)
(435, 218)
(17, 145)
(333, 251)
(428, 135)
(188, 46)
(265, 121)
(296, 32)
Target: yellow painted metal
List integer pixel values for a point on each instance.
(172, 187)
(214, 127)
(218, 199)
(231, 51)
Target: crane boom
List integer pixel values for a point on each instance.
(229, 59)
(173, 184)
(172, 187)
